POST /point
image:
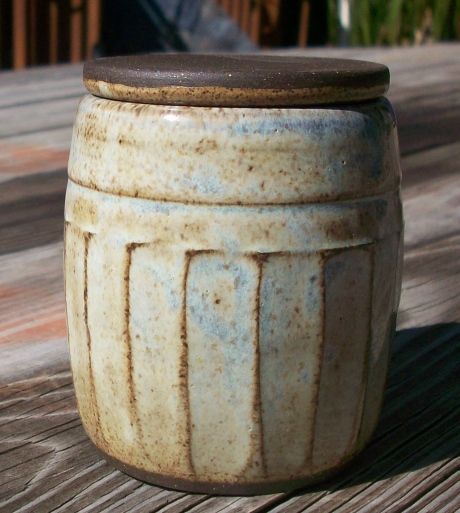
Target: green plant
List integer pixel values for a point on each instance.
(391, 22)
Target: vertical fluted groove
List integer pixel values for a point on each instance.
(368, 345)
(134, 414)
(221, 326)
(351, 277)
(184, 364)
(88, 236)
(322, 285)
(257, 398)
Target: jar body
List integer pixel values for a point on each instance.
(232, 280)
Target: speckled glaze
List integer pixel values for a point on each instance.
(234, 80)
(232, 280)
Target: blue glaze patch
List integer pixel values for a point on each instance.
(168, 283)
(289, 290)
(231, 328)
(206, 181)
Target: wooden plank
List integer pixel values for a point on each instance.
(64, 14)
(235, 10)
(54, 31)
(399, 496)
(19, 34)
(76, 30)
(42, 76)
(2, 37)
(54, 138)
(254, 27)
(93, 24)
(32, 40)
(20, 158)
(56, 114)
(245, 15)
(30, 88)
(31, 299)
(44, 351)
(36, 218)
(440, 499)
(26, 95)
(302, 39)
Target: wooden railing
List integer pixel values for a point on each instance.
(47, 31)
(50, 31)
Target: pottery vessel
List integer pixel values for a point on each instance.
(232, 277)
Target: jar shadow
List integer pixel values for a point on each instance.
(420, 421)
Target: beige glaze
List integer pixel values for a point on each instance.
(232, 284)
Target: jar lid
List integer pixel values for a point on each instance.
(235, 80)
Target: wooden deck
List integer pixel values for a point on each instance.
(413, 461)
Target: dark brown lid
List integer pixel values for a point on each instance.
(237, 80)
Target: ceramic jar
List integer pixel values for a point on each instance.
(232, 258)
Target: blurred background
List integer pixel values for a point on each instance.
(34, 32)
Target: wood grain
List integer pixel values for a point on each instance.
(46, 460)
